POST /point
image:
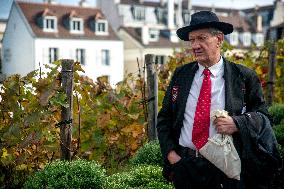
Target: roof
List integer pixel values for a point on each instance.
(32, 11)
(259, 8)
(238, 21)
(163, 41)
(281, 25)
(144, 3)
(3, 20)
(233, 16)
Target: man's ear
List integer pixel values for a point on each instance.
(220, 37)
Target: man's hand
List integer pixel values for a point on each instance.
(225, 125)
(173, 157)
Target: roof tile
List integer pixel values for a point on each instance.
(32, 11)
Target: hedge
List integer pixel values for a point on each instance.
(149, 154)
(64, 174)
(139, 177)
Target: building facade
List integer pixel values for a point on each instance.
(40, 33)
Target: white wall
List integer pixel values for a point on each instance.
(19, 42)
(278, 14)
(93, 66)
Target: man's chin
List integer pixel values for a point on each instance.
(199, 59)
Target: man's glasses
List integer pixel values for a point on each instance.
(198, 39)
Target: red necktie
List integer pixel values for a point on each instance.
(200, 131)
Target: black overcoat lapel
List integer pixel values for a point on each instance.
(185, 81)
(234, 88)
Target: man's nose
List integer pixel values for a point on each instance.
(195, 44)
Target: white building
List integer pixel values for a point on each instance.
(40, 33)
(145, 27)
(2, 29)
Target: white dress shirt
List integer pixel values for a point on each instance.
(217, 101)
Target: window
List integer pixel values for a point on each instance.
(259, 39)
(80, 56)
(139, 13)
(101, 27)
(160, 59)
(246, 39)
(76, 25)
(49, 23)
(161, 16)
(186, 18)
(7, 55)
(53, 54)
(105, 57)
(153, 35)
(234, 39)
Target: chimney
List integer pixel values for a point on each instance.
(53, 2)
(162, 2)
(171, 24)
(145, 35)
(83, 3)
(213, 7)
(189, 6)
(179, 14)
(259, 23)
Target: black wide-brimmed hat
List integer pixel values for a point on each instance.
(204, 19)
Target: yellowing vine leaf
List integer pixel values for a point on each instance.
(4, 153)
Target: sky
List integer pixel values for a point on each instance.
(5, 5)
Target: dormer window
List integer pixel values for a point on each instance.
(153, 35)
(186, 18)
(259, 39)
(246, 39)
(139, 13)
(161, 15)
(234, 39)
(76, 25)
(101, 27)
(49, 24)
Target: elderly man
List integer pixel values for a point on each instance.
(198, 88)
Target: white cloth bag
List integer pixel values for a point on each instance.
(221, 152)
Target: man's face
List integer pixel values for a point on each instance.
(205, 46)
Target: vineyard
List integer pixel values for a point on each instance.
(109, 124)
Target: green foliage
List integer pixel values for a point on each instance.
(110, 121)
(279, 133)
(149, 154)
(140, 177)
(113, 123)
(277, 113)
(64, 174)
(27, 120)
(12, 178)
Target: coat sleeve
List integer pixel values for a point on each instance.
(165, 121)
(259, 153)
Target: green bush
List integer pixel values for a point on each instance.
(139, 177)
(11, 177)
(277, 113)
(149, 154)
(279, 132)
(64, 174)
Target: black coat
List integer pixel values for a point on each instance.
(242, 89)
